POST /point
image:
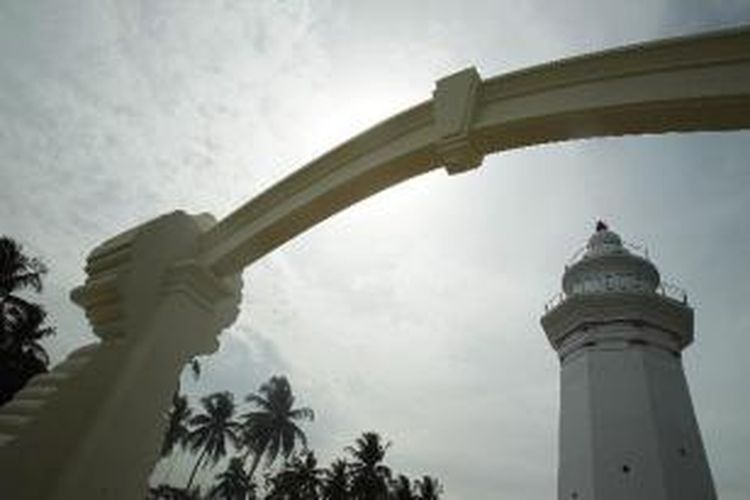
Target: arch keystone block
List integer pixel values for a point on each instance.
(454, 101)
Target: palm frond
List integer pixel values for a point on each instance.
(258, 401)
(302, 414)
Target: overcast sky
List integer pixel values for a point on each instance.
(415, 313)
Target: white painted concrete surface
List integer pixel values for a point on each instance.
(627, 425)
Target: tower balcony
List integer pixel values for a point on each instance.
(613, 297)
(618, 320)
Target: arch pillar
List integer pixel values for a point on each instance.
(92, 427)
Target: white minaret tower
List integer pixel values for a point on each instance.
(627, 426)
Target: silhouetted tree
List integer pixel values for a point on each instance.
(212, 430)
(168, 492)
(177, 427)
(402, 489)
(234, 483)
(21, 322)
(429, 488)
(18, 271)
(300, 479)
(336, 481)
(271, 428)
(195, 368)
(370, 477)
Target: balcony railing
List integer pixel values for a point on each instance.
(673, 292)
(664, 289)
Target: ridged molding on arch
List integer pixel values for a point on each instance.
(684, 84)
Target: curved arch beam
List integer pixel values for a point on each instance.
(683, 84)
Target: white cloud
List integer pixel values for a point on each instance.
(414, 313)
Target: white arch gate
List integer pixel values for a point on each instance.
(162, 292)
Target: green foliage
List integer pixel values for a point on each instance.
(177, 427)
(234, 483)
(370, 476)
(270, 430)
(428, 488)
(167, 492)
(402, 489)
(213, 429)
(17, 270)
(21, 322)
(300, 479)
(336, 481)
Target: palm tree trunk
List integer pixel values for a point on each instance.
(256, 459)
(195, 469)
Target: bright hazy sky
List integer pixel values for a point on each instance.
(415, 313)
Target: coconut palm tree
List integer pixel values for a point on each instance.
(17, 366)
(370, 477)
(212, 430)
(22, 328)
(336, 481)
(17, 271)
(271, 428)
(177, 427)
(402, 489)
(21, 322)
(429, 488)
(300, 479)
(234, 483)
(167, 492)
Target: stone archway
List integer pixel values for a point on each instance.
(675, 85)
(161, 293)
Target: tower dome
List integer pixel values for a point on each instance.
(604, 241)
(609, 284)
(607, 266)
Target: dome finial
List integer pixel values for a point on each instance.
(601, 226)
